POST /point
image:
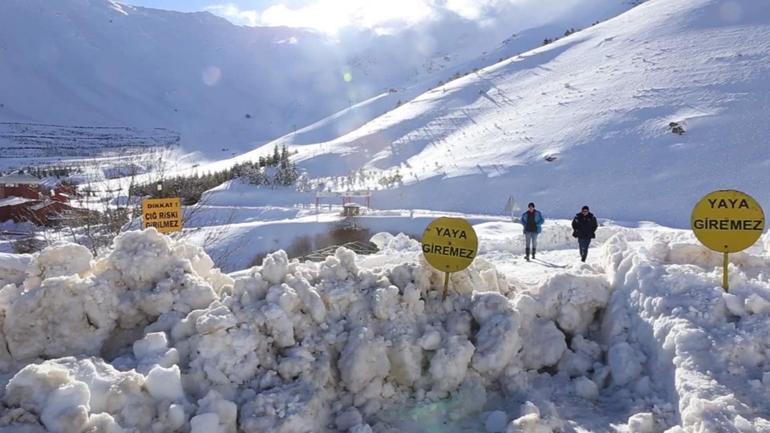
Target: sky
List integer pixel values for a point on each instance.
(330, 16)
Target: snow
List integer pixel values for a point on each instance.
(13, 268)
(496, 421)
(150, 336)
(165, 383)
(599, 101)
(13, 201)
(641, 423)
(641, 333)
(228, 88)
(586, 388)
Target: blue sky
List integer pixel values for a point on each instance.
(199, 5)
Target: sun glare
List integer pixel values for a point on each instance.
(330, 16)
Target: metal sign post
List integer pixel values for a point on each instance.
(449, 245)
(727, 221)
(165, 214)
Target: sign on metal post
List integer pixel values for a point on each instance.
(449, 245)
(727, 221)
(165, 214)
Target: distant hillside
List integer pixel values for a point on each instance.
(638, 116)
(221, 87)
(34, 140)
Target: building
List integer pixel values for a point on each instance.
(15, 208)
(22, 199)
(51, 213)
(19, 185)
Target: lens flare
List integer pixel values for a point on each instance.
(211, 75)
(347, 76)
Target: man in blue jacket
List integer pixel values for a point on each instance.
(532, 220)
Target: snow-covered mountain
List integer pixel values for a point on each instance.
(223, 87)
(635, 116)
(588, 119)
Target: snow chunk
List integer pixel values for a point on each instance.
(486, 305)
(543, 344)
(340, 266)
(495, 421)
(74, 395)
(142, 257)
(275, 266)
(202, 265)
(431, 340)
(363, 360)
(734, 304)
(406, 358)
(389, 244)
(165, 383)
(757, 304)
(153, 350)
(13, 268)
(224, 355)
(60, 259)
(498, 339)
(362, 428)
(530, 423)
(450, 363)
(279, 325)
(65, 315)
(206, 423)
(586, 388)
(642, 422)
(309, 296)
(151, 344)
(572, 300)
(294, 408)
(624, 363)
(348, 419)
(497, 342)
(579, 360)
(225, 411)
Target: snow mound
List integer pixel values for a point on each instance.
(71, 304)
(287, 346)
(13, 268)
(336, 346)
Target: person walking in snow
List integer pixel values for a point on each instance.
(584, 227)
(532, 220)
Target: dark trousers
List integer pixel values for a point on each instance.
(583, 243)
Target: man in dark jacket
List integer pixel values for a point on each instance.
(584, 227)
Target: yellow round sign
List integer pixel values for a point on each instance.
(728, 221)
(449, 244)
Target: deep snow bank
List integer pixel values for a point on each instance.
(157, 340)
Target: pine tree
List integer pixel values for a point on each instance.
(284, 154)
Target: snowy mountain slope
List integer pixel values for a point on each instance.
(598, 104)
(113, 65)
(221, 87)
(356, 116)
